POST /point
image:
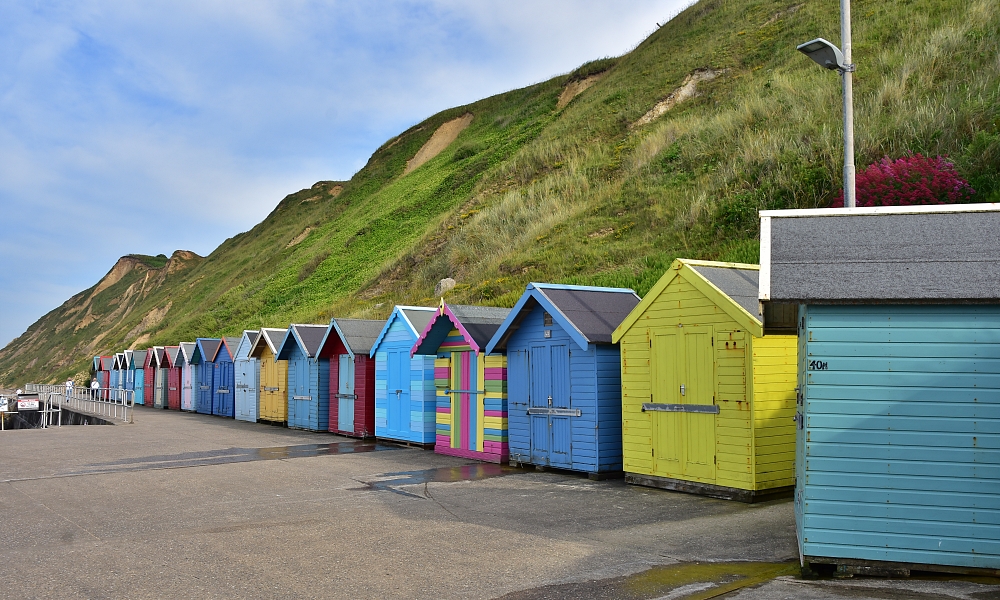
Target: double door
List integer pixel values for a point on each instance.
(550, 410)
(246, 389)
(397, 418)
(345, 393)
(683, 404)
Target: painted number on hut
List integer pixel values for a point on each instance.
(818, 365)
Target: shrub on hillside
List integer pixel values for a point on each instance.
(908, 181)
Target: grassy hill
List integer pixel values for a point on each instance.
(664, 152)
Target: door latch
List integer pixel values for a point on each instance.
(550, 400)
(398, 392)
(682, 389)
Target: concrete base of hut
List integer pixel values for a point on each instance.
(483, 456)
(353, 434)
(707, 489)
(848, 567)
(406, 443)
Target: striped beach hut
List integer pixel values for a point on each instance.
(564, 376)
(308, 377)
(174, 366)
(205, 350)
(898, 410)
(346, 346)
(139, 379)
(273, 406)
(224, 379)
(471, 385)
(405, 397)
(707, 398)
(247, 378)
(149, 376)
(188, 376)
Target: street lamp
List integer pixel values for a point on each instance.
(829, 56)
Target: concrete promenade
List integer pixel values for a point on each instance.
(179, 505)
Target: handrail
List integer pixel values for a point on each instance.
(116, 403)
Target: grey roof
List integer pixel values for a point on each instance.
(211, 348)
(419, 318)
(311, 336)
(739, 284)
(272, 336)
(172, 354)
(107, 363)
(947, 254)
(480, 321)
(233, 343)
(139, 357)
(360, 334)
(161, 355)
(596, 312)
(187, 349)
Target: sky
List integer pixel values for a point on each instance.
(148, 127)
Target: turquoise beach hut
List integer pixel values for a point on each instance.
(247, 377)
(308, 377)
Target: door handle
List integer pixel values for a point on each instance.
(398, 392)
(550, 400)
(682, 389)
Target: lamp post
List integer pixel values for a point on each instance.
(829, 56)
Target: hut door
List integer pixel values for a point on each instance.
(551, 435)
(345, 394)
(683, 375)
(398, 392)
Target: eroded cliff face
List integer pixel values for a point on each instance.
(115, 308)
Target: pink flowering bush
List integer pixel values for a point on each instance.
(909, 180)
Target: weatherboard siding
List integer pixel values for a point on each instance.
(774, 381)
(416, 417)
(900, 449)
(223, 384)
(308, 392)
(273, 387)
(246, 379)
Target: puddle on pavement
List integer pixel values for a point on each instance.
(687, 581)
(229, 455)
(393, 481)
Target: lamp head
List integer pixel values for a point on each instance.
(824, 54)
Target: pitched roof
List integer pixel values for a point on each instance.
(161, 356)
(207, 348)
(358, 335)
(187, 351)
(107, 363)
(172, 353)
(913, 254)
(739, 284)
(711, 279)
(589, 314)
(271, 336)
(139, 358)
(415, 318)
(307, 337)
(476, 323)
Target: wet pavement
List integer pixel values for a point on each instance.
(193, 506)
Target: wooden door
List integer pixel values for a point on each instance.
(345, 394)
(397, 392)
(540, 397)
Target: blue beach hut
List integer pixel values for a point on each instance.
(405, 397)
(564, 376)
(114, 379)
(128, 370)
(189, 379)
(224, 379)
(139, 377)
(308, 377)
(247, 378)
(897, 460)
(205, 350)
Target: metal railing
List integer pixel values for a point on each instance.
(114, 403)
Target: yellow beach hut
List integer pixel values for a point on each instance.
(707, 399)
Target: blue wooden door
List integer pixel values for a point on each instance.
(345, 394)
(398, 392)
(560, 425)
(206, 371)
(539, 398)
(301, 399)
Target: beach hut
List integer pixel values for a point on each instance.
(471, 385)
(149, 375)
(308, 377)
(564, 376)
(405, 398)
(273, 406)
(161, 385)
(188, 376)
(247, 379)
(139, 379)
(224, 379)
(205, 350)
(115, 380)
(707, 398)
(129, 370)
(104, 375)
(175, 365)
(898, 415)
(346, 346)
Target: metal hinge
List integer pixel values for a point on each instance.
(652, 451)
(713, 341)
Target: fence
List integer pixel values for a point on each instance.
(113, 403)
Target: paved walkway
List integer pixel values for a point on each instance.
(191, 506)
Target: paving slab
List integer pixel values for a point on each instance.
(193, 506)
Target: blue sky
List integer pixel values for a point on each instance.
(146, 127)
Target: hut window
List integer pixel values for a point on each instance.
(546, 319)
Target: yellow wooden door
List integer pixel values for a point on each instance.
(683, 369)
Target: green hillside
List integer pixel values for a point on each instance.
(593, 191)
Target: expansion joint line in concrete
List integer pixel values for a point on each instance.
(55, 512)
